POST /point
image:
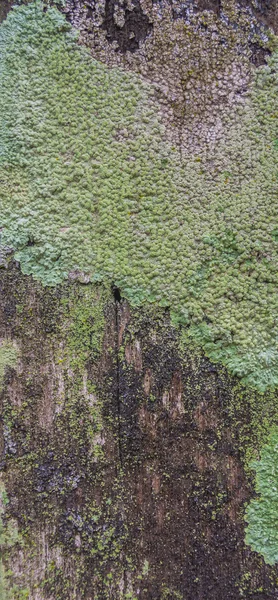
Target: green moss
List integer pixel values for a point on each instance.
(9, 537)
(83, 324)
(8, 358)
(168, 593)
(262, 512)
(88, 185)
(83, 329)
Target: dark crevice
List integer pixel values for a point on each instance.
(31, 241)
(259, 54)
(116, 294)
(117, 299)
(135, 28)
(90, 12)
(5, 7)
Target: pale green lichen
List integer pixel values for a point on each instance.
(262, 512)
(88, 184)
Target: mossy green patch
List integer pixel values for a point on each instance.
(262, 512)
(9, 537)
(83, 327)
(83, 324)
(88, 184)
(8, 358)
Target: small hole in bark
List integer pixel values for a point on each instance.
(259, 55)
(116, 293)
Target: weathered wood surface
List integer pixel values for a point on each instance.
(158, 511)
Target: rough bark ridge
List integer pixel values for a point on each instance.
(125, 455)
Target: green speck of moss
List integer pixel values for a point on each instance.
(8, 358)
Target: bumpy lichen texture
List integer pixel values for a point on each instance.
(262, 513)
(196, 54)
(89, 184)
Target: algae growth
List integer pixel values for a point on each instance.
(88, 184)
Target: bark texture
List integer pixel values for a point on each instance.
(123, 464)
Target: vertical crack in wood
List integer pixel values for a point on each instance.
(118, 395)
(120, 478)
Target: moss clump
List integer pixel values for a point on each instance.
(88, 184)
(262, 513)
(8, 358)
(84, 324)
(9, 537)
